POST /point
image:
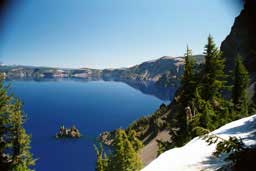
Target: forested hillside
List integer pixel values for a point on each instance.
(210, 95)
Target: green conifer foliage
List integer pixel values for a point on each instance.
(22, 158)
(102, 159)
(203, 90)
(207, 115)
(239, 91)
(188, 81)
(179, 131)
(209, 101)
(14, 141)
(189, 66)
(124, 156)
(213, 74)
(5, 139)
(136, 143)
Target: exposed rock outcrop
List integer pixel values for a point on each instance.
(73, 132)
(242, 39)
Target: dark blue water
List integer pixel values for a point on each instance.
(92, 106)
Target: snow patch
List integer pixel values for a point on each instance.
(197, 154)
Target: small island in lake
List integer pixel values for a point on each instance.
(72, 132)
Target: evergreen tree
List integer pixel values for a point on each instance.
(188, 68)
(5, 141)
(213, 74)
(102, 160)
(206, 119)
(124, 156)
(188, 82)
(14, 142)
(21, 157)
(209, 101)
(239, 92)
(180, 132)
(136, 143)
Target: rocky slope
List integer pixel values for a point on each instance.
(242, 39)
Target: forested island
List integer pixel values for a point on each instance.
(72, 132)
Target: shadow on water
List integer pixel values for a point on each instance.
(151, 88)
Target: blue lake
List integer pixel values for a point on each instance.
(93, 107)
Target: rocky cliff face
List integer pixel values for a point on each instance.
(150, 70)
(166, 71)
(242, 39)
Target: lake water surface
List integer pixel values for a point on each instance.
(93, 107)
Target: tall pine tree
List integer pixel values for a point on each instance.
(213, 75)
(14, 141)
(209, 101)
(239, 91)
(179, 124)
(188, 68)
(188, 82)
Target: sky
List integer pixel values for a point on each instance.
(110, 33)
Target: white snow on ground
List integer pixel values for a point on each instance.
(197, 154)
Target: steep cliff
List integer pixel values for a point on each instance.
(242, 39)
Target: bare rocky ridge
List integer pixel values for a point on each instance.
(155, 70)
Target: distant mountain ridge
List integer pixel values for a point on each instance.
(154, 70)
(149, 70)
